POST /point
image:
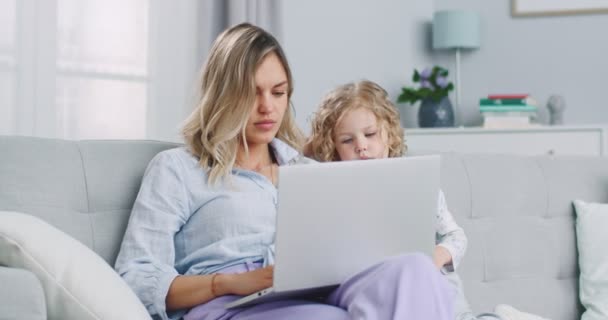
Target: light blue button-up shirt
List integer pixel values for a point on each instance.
(181, 225)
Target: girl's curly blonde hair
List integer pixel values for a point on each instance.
(363, 94)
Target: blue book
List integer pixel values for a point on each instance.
(508, 108)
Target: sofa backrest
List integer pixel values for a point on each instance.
(517, 213)
(85, 188)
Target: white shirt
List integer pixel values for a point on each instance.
(449, 234)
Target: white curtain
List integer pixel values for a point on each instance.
(109, 69)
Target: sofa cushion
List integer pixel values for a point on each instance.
(78, 284)
(21, 295)
(591, 235)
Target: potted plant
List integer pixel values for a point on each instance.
(432, 90)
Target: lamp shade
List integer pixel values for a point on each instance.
(456, 29)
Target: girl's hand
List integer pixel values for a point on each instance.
(244, 283)
(441, 257)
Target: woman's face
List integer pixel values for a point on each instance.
(359, 136)
(271, 101)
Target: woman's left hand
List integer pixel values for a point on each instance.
(441, 257)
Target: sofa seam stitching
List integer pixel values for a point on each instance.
(86, 188)
(468, 176)
(545, 180)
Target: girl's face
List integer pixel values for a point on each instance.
(271, 101)
(359, 136)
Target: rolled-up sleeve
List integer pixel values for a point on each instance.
(449, 234)
(146, 260)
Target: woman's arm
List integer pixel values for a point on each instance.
(147, 257)
(147, 254)
(192, 290)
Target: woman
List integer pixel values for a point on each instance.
(202, 228)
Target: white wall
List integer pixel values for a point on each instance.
(333, 42)
(564, 55)
(174, 63)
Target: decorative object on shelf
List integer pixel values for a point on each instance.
(556, 106)
(525, 8)
(435, 108)
(434, 114)
(456, 29)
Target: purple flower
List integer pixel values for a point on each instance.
(426, 84)
(442, 82)
(426, 73)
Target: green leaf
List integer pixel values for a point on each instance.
(407, 95)
(402, 98)
(416, 76)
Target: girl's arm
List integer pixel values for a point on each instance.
(451, 239)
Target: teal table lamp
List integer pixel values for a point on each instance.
(456, 29)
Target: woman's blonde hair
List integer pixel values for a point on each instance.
(363, 94)
(227, 93)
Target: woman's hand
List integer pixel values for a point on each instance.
(244, 283)
(192, 290)
(441, 257)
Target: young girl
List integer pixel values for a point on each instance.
(201, 233)
(357, 121)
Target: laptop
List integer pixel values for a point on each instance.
(335, 219)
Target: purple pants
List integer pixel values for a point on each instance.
(402, 287)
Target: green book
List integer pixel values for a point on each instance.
(508, 108)
(506, 102)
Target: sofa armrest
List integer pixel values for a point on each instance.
(21, 295)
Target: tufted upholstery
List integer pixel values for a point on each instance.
(518, 215)
(516, 211)
(85, 188)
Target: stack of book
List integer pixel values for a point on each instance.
(507, 110)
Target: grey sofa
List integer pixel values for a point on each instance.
(517, 213)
